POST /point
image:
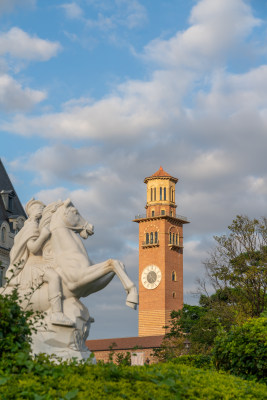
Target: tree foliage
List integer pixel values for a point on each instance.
(238, 265)
(16, 327)
(243, 350)
(15, 331)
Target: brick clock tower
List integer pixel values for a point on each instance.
(160, 255)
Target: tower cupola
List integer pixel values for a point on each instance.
(160, 194)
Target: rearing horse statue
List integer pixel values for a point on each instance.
(63, 261)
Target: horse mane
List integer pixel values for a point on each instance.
(48, 212)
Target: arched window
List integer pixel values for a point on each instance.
(160, 193)
(151, 237)
(151, 194)
(173, 295)
(154, 194)
(3, 235)
(170, 238)
(147, 238)
(173, 236)
(173, 276)
(176, 239)
(156, 237)
(164, 193)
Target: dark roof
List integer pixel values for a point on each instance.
(6, 186)
(144, 342)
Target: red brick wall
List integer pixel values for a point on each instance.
(156, 304)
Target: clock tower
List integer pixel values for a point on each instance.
(160, 255)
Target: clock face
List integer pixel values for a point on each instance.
(151, 277)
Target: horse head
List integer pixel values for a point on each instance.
(73, 220)
(64, 214)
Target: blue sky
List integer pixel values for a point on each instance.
(95, 95)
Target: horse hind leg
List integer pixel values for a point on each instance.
(91, 281)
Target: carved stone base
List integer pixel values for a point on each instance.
(63, 341)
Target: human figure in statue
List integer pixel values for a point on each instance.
(29, 269)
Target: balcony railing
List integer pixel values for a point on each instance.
(156, 215)
(146, 244)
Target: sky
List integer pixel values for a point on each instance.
(95, 95)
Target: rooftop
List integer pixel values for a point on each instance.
(161, 174)
(145, 342)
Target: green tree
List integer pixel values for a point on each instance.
(236, 267)
(15, 333)
(183, 325)
(243, 350)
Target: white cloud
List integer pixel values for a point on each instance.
(230, 93)
(72, 10)
(15, 98)
(58, 163)
(9, 5)
(134, 13)
(257, 185)
(136, 108)
(210, 164)
(217, 27)
(118, 13)
(19, 44)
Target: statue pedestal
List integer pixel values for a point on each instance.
(63, 341)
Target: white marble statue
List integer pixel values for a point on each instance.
(51, 268)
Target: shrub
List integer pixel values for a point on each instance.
(198, 361)
(169, 381)
(15, 331)
(243, 351)
(16, 326)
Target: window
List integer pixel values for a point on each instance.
(173, 236)
(176, 240)
(147, 238)
(154, 194)
(10, 203)
(162, 212)
(153, 213)
(170, 238)
(173, 295)
(164, 193)
(151, 194)
(172, 199)
(151, 238)
(156, 237)
(160, 193)
(173, 276)
(3, 235)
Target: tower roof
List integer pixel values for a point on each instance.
(7, 187)
(161, 174)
